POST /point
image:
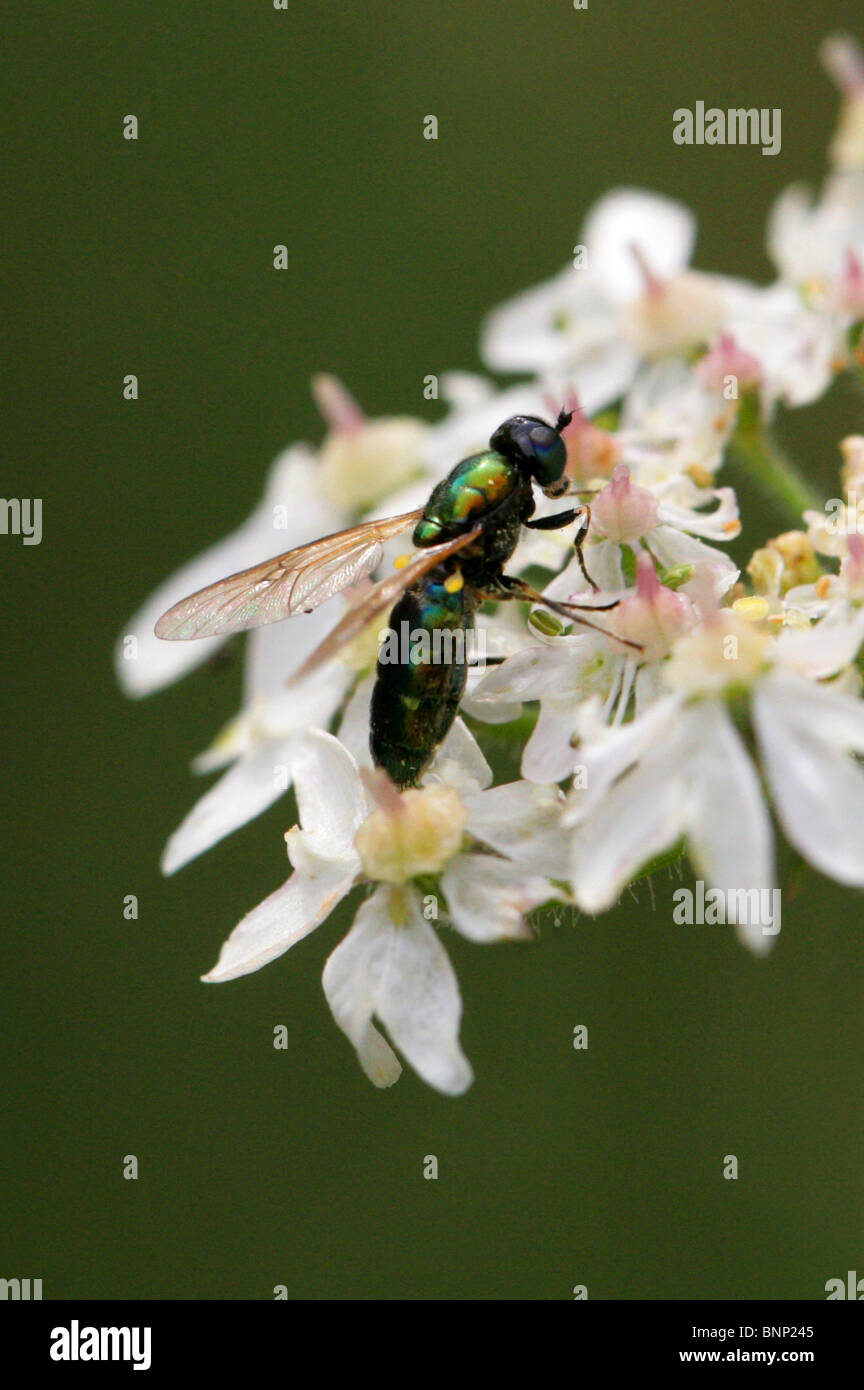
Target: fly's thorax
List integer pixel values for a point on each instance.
(474, 489)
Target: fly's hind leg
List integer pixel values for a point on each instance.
(581, 515)
(507, 586)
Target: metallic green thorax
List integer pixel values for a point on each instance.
(415, 700)
(485, 488)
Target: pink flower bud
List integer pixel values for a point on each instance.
(654, 616)
(624, 511)
(726, 359)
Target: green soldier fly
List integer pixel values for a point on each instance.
(464, 537)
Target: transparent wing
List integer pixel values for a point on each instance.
(382, 595)
(295, 582)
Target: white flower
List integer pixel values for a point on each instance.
(361, 460)
(563, 673)
(681, 770)
(674, 422)
(798, 349)
(292, 511)
(634, 299)
(391, 966)
(810, 241)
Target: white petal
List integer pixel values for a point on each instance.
(351, 980)
(284, 918)
(330, 799)
(601, 377)
(460, 762)
(788, 230)
(292, 485)
(806, 733)
(524, 676)
(795, 346)
(523, 822)
(549, 755)
(605, 754)
(402, 975)
(312, 702)
(354, 728)
(488, 897)
(825, 648)
(664, 231)
(729, 830)
(639, 818)
(673, 547)
(721, 523)
(523, 333)
(247, 789)
(275, 652)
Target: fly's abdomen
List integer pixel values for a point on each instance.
(421, 675)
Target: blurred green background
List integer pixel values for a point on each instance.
(260, 1167)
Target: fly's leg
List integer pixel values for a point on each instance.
(508, 586)
(582, 515)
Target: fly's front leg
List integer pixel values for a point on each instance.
(582, 516)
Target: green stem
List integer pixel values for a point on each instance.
(762, 461)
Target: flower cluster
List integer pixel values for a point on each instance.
(711, 703)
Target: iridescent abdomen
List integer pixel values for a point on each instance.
(416, 696)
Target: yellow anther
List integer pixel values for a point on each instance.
(401, 561)
(823, 586)
(753, 609)
(732, 528)
(454, 583)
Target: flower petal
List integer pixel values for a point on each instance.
(663, 230)
(729, 830)
(806, 733)
(330, 799)
(640, 817)
(291, 487)
(245, 790)
(280, 921)
(825, 648)
(523, 822)
(402, 975)
(488, 897)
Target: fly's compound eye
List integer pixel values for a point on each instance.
(548, 457)
(534, 444)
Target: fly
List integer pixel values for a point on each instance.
(464, 537)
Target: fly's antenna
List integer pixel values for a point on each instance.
(564, 418)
